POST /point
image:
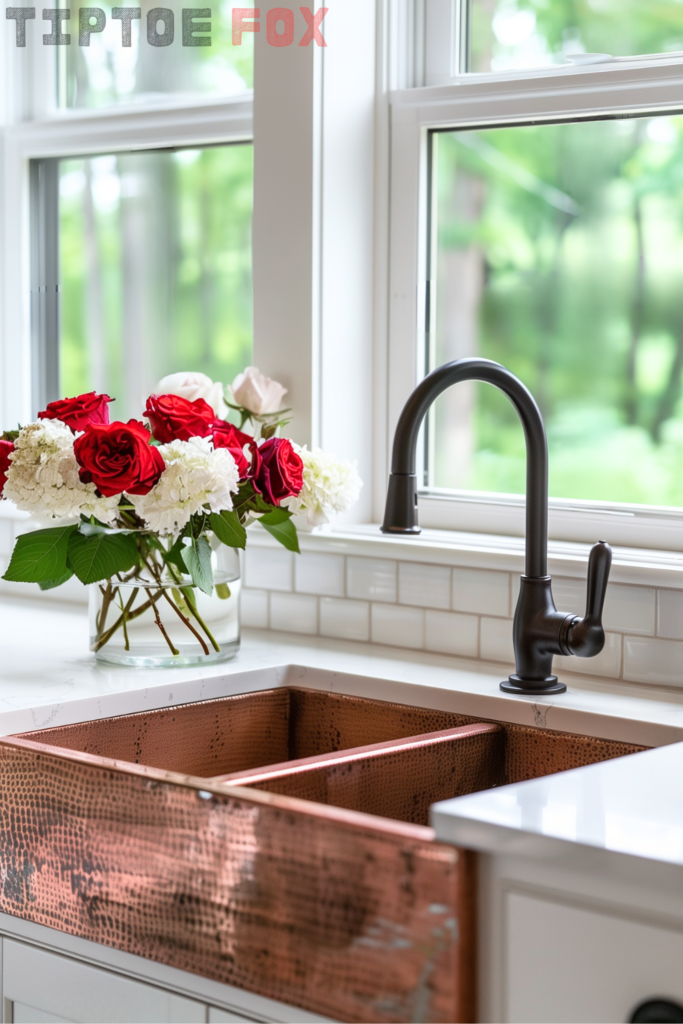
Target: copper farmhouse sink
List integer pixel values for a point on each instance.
(277, 841)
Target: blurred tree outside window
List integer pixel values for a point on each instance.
(559, 253)
(155, 269)
(517, 34)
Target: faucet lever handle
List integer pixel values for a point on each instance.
(586, 637)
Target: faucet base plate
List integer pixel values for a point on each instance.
(534, 687)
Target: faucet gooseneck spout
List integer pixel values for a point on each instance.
(539, 630)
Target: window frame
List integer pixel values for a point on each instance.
(627, 88)
(79, 134)
(313, 113)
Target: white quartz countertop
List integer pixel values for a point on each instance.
(630, 806)
(633, 805)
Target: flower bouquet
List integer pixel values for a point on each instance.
(151, 513)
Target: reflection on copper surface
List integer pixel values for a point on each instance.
(233, 734)
(342, 904)
(343, 914)
(399, 779)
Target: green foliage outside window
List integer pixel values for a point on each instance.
(155, 268)
(560, 254)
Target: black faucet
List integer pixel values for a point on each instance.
(539, 631)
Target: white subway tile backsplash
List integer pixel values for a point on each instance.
(294, 613)
(254, 608)
(371, 579)
(463, 612)
(452, 633)
(569, 595)
(428, 586)
(397, 625)
(481, 591)
(319, 574)
(607, 663)
(630, 609)
(651, 660)
(495, 640)
(346, 620)
(268, 568)
(627, 609)
(670, 613)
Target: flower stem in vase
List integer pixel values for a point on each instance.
(126, 608)
(187, 622)
(107, 598)
(161, 626)
(106, 637)
(192, 607)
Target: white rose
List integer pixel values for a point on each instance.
(257, 393)
(193, 386)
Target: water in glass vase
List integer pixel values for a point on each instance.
(158, 618)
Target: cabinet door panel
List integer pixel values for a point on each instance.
(570, 964)
(64, 989)
(23, 1014)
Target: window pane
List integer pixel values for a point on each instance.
(155, 269)
(559, 253)
(107, 72)
(507, 34)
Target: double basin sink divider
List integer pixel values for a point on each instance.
(278, 841)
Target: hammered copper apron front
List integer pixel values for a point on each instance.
(120, 831)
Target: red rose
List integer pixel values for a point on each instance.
(6, 449)
(277, 472)
(118, 457)
(226, 435)
(173, 418)
(78, 412)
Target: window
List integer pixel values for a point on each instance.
(287, 237)
(155, 269)
(506, 34)
(127, 207)
(559, 252)
(493, 36)
(535, 220)
(117, 65)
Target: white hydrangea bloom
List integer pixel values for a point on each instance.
(43, 477)
(195, 476)
(330, 485)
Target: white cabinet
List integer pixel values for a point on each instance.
(571, 964)
(43, 986)
(49, 976)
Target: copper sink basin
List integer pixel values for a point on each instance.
(217, 738)
(277, 841)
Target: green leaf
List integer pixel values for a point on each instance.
(175, 555)
(228, 529)
(51, 584)
(40, 556)
(101, 556)
(276, 516)
(197, 558)
(93, 527)
(279, 524)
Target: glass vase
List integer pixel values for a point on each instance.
(158, 618)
